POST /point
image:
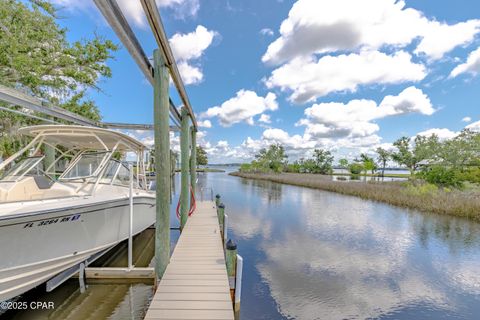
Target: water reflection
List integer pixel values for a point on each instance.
(267, 190)
(319, 255)
(108, 300)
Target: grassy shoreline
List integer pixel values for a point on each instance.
(376, 175)
(455, 202)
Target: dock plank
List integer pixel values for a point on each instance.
(195, 283)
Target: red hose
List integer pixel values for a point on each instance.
(193, 204)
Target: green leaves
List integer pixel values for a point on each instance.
(202, 159)
(36, 56)
(272, 159)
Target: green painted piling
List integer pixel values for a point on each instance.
(231, 261)
(185, 158)
(221, 217)
(217, 200)
(162, 163)
(193, 160)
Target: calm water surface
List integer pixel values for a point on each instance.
(310, 254)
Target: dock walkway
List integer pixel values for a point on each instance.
(195, 283)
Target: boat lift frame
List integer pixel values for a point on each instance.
(158, 74)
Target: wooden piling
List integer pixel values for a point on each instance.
(217, 200)
(185, 158)
(162, 163)
(231, 261)
(193, 160)
(221, 217)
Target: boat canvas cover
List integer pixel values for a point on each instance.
(84, 138)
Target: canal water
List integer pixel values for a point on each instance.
(311, 254)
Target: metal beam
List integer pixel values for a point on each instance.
(23, 100)
(115, 18)
(155, 21)
(17, 98)
(27, 114)
(131, 126)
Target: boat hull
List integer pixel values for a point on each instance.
(38, 245)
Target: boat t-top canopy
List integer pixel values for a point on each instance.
(83, 138)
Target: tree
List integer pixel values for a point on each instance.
(202, 159)
(424, 148)
(273, 158)
(343, 163)
(383, 157)
(368, 163)
(461, 151)
(441, 176)
(355, 168)
(36, 57)
(323, 161)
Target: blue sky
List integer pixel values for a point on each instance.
(344, 75)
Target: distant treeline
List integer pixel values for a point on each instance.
(448, 163)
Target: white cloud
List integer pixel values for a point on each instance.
(190, 47)
(354, 119)
(472, 65)
(205, 123)
(266, 32)
(72, 5)
(132, 9)
(441, 133)
(440, 38)
(243, 107)
(337, 127)
(309, 78)
(182, 8)
(317, 27)
(474, 126)
(265, 118)
(190, 74)
(467, 119)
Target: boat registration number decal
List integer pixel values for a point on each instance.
(52, 221)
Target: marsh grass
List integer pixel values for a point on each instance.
(423, 197)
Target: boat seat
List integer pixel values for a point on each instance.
(30, 188)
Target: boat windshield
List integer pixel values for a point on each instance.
(85, 166)
(28, 166)
(116, 173)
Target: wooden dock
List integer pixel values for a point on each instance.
(195, 283)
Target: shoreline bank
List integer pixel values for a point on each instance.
(455, 203)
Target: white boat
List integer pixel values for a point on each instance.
(48, 223)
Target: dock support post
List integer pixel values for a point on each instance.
(161, 120)
(225, 228)
(217, 200)
(81, 277)
(193, 161)
(130, 219)
(184, 191)
(238, 286)
(221, 216)
(49, 157)
(231, 260)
